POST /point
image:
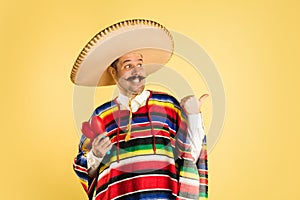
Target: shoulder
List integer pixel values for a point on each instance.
(164, 97)
(104, 107)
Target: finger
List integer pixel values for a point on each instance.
(98, 139)
(182, 104)
(189, 96)
(105, 142)
(184, 100)
(108, 147)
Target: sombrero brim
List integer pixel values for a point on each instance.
(146, 37)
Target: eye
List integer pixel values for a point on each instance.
(139, 65)
(127, 67)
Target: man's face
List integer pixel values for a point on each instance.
(130, 74)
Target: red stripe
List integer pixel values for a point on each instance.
(142, 133)
(77, 167)
(183, 145)
(114, 116)
(203, 154)
(84, 187)
(191, 189)
(173, 141)
(203, 172)
(131, 168)
(186, 155)
(203, 181)
(139, 183)
(148, 133)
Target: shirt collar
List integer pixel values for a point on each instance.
(140, 99)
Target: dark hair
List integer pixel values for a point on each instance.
(114, 64)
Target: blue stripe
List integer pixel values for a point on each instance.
(145, 195)
(104, 107)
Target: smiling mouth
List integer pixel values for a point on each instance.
(136, 79)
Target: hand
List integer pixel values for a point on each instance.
(191, 104)
(101, 145)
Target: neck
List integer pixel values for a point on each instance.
(130, 95)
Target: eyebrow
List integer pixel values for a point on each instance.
(140, 59)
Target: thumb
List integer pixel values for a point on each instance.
(202, 98)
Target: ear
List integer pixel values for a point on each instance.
(113, 72)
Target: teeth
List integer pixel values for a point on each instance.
(136, 80)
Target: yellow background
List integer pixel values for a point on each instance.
(255, 45)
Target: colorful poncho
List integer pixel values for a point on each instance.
(156, 163)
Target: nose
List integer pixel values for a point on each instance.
(137, 69)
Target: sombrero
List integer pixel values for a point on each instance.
(146, 37)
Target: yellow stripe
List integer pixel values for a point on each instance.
(139, 152)
(84, 145)
(108, 112)
(143, 152)
(163, 104)
(83, 183)
(189, 175)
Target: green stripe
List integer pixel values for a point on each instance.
(192, 170)
(203, 194)
(146, 147)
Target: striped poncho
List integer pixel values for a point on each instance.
(156, 163)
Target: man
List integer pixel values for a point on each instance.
(149, 147)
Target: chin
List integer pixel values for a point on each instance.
(138, 90)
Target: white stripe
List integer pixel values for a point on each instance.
(150, 136)
(189, 181)
(203, 170)
(79, 170)
(184, 198)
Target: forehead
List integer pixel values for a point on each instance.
(131, 57)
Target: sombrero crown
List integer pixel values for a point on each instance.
(147, 37)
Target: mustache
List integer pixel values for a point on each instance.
(131, 78)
